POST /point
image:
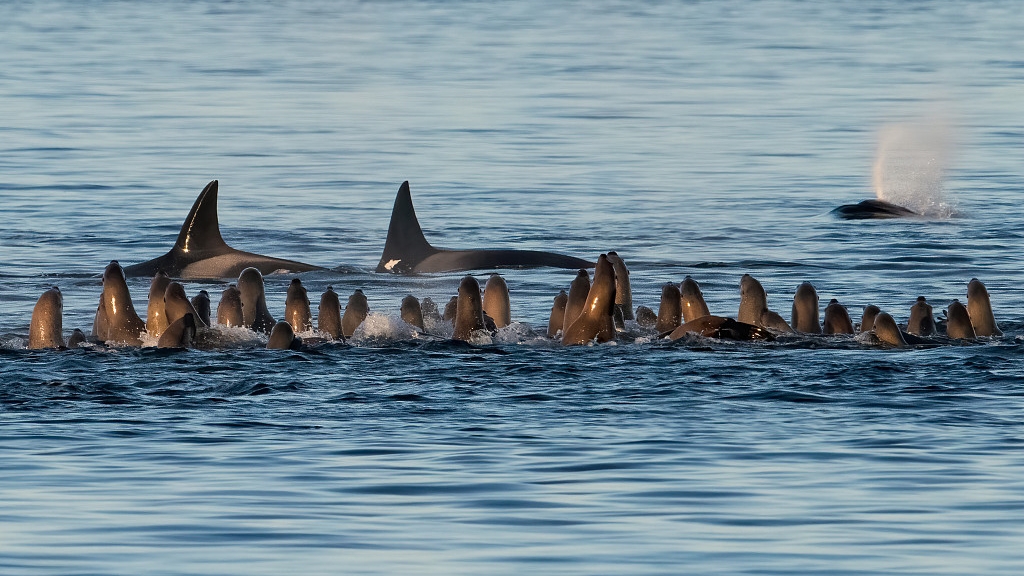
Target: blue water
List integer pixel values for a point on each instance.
(708, 139)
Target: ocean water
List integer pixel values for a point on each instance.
(708, 139)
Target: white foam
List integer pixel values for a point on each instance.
(382, 327)
(515, 333)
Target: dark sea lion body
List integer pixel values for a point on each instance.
(623, 289)
(179, 334)
(692, 300)
(255, 314)
(805, 309)
(670, 312)
(356, 312)
(201, 302)
(496, 301)
(646, 317)
(412, 312)
(888, 331)
(177, 304)
(282, 337)
(121, 323)
(328, 317)
(156, 317)
(576, 299)
(754, 307)
(595, 321)
(958, 322)
(722, 328)
(837, 319)
(296, 307)
(979, 306)
(469, 315)
(46, 329)
(557, 317)
(867, 321)
(921, 322)
(229, 310)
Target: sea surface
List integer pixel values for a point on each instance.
(709, 139)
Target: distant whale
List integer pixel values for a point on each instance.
(201, 253)
(406, 250)
(873, 209)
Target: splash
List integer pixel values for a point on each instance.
(911, 164)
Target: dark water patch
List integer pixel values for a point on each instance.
(783, 396)
(433, 489)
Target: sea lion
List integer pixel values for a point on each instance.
(469, 316)
(595, 321)
(46, 329)
(980, 308)
(754, 307)
(577, 298)
(723, 328)
(282, 337)
(496, 301)
(753, 300)
(921, 322)
(692, 300)
(557, 317)
(296, 307)
(229, 310)
(670, 312)
(623, 291)
(200, 251)
(805, 309)
(355, 312)
(100, 324)
(179, 334)
(406, 250)
(412, 313)
(328, 317)
(122, 323)
(646, 317)
(837, 319)
(887, 331)
(451, 309)
(431, 316)
(958, 322)
(201, 302)
(255, 314)
(76, 339)
(177, 304)
(867, 321)
(156, 320)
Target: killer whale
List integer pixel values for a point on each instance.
(406, 250)
(201, 253)
(873, 209)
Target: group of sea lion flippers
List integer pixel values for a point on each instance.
(592, 311)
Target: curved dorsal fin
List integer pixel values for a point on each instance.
(201, 230)
(405, 246)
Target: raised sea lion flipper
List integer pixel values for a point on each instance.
(406, 250)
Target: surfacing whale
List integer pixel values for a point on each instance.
(406, 250)
(201, 253)
(873, 209)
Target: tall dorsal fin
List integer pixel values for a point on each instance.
(405, 246)
(201, 230)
